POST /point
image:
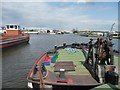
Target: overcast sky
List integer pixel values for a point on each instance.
(61, 15)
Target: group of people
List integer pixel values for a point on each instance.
(103, 51)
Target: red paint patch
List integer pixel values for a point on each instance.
(70, 81)
(48, 59)
(67, 81)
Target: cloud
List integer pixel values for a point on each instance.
(59, 0)
(66, 16)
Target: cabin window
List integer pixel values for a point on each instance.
(11, 26)
(7, 26)
(18, 27)
(15, 26)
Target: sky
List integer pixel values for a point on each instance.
(61, 15)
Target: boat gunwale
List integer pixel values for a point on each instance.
(9, 38)
(36, 63)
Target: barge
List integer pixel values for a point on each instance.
(13, 35)
(84, 35)
(75, 66)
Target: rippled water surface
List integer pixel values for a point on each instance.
(18, 60)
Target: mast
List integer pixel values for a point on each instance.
(111, 29)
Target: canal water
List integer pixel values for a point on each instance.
(19, 59)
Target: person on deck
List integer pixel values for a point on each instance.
(107, 51)
(97, 47)
(104, 54)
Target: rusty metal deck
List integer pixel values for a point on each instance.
(74, 80)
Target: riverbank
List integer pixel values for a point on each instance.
(114, 37)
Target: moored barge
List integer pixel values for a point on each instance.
(12, 36)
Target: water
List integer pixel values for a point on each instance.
(18, 60)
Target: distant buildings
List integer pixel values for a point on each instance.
(46, 30)
(37, 30)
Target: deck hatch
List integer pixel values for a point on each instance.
(67, 65)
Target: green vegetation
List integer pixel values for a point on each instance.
(93, 35)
